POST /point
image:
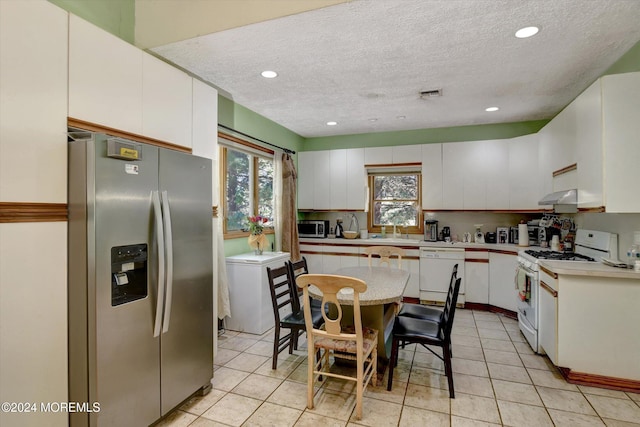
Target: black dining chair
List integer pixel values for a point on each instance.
(424, 312)
(296, 269)
(287, 311)
(427, 333)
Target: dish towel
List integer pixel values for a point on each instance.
(521, 284)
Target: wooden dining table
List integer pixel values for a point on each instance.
(378, 304)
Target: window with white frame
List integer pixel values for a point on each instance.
(394, 199)
(248, 178)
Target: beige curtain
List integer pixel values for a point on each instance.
(290, 241)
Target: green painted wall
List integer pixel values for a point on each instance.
(425, 136)
(244, 120)
(115, 16)
(627, 63)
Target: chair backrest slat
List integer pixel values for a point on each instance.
(296, 269)
(447, 319)
(385, 253)
(280, 288)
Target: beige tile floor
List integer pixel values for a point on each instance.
(498, 381)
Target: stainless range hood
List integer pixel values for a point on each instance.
(562, 201)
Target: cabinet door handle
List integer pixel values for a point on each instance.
(549, 289)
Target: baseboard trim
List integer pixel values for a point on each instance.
(600, 381)
(491, 308)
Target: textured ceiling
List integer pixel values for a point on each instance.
(370, 59)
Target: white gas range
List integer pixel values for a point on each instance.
(590, 245)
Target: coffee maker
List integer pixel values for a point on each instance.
(430, 230)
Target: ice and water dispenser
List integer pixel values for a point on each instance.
(128, 273)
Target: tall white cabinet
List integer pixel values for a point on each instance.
(33, 168)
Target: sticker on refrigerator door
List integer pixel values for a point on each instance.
(131, 169)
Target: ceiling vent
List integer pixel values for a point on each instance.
(430, 93)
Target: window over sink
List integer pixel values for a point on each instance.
(394, 199)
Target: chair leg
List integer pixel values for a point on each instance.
(293, 340)
(310, 380)
(446, 349)
(392, 362)
(276, 343)
(359, 384)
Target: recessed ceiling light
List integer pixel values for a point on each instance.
(490, 109)
(525, 32)
(269, 74)
(401, 117)
(373, 120)
(332, 123)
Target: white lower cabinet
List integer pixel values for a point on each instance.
(476, 277)
(548, 318)
(502, 270)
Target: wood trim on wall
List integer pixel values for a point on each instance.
(565, 169)
(601, 381)
(32, 212)
(94, 127)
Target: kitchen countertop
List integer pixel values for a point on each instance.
(589, 269)
(413, 243)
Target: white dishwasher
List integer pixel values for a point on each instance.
(436, 265)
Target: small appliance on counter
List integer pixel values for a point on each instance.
(513, 234)
(503, 234)
(478, 237)
(490, 237)
(339, 229)
(446, 234)
(431, 230)
(313, 228)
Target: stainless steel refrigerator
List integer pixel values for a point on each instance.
(140, 280)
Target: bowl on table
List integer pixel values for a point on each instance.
(350, 234)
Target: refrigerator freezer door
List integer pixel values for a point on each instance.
(126, 353)
(187, 344)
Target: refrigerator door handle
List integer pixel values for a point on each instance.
(157, 211)
(166, 213)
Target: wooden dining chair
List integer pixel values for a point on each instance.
(350, 342)
(287, 313)
(385, 253)
(427, 333)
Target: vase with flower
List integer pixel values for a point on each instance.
(257, 239)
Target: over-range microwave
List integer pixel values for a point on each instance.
(313, 228)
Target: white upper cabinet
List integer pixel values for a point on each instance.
(497, 168)
(453, 163)
(356, 181)
(621, 139)
(166, 102)
(105, 78)
(322, 179)
(406, 154)
(473, 167)
(337, 179)
(33, 102)
(205, 120)
(598, 132)
(306, 181)
(378, 155)
(588, 111)
(523, 172)
(432, 176)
